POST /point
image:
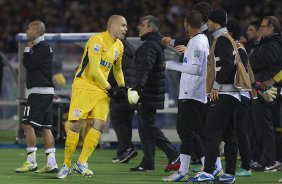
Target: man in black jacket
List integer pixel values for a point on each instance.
(38, 59)
(150, 85)
(122, 114)
(266, 62)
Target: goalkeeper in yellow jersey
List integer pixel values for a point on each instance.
(91, 92)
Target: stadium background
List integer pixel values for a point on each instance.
(72, 16)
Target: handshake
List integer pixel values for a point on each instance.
(120, 93)
(267, 92)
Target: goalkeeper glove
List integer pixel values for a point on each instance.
(112, 92)
(139, 88)
(132, 96)
(117, 94)
(121, 92)
(270, 94)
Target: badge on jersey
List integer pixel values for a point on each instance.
(97, 48)
(76, 113)
(197, 53)
(115, 54)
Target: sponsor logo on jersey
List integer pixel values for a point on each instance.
(76, 113)
(197, 53)
(97, 47)
(115, 54)
(105, 64)
(185, 60)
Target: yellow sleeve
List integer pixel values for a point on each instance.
(118, 74)
(278, 77)
(95, 56)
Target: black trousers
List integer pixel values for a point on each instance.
(256, 148)
(242, 119)
(265, 118)
(121, 119)
(221, 126)
(151, 136)
(188, 127)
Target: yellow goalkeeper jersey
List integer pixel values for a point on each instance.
(101, 53)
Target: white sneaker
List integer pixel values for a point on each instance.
(176, 177)
(82, 169)
(64, 172)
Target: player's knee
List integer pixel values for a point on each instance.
(99, 125)
(76, 126)
(27, 127)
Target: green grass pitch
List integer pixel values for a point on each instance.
(105, 172)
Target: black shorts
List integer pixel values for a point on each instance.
(37, 111)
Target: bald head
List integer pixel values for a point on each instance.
(113, 20)
(117, 26)
(39, 27)
(35, 29)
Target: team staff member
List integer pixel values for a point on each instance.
(192, 95)
(242, 113)
(224, 97)
(38, 60)
(266, 63)
(150, 81)
(91, 91)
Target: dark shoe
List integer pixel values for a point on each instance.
(195, 162)
(127, 155)
(140, 169)
(116, 160)
(257, 167)
(174, 165)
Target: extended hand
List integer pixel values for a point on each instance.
(165, 41)
(270, 94)
(180, 49)
(267, 84)
(214, 95)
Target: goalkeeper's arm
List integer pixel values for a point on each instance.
(278, 77)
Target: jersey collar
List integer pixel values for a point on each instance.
(38, 39)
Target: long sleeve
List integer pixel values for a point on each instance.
(117, 70)
(36, 55)
(145, 60)
(278, 77)
(95, 56)
(192, 70)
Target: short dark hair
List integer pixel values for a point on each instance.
(273, 21)
(204, 8)
(256, 24)
(153, 22)
(234, 28)
(194, 19)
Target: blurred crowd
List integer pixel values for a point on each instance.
(75, 16)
